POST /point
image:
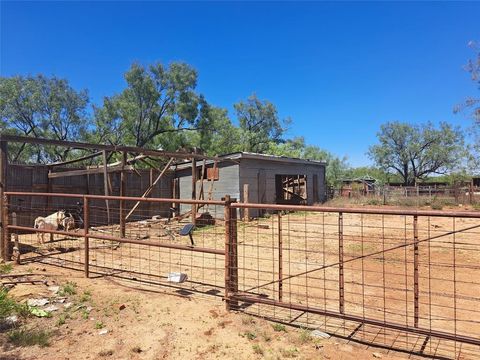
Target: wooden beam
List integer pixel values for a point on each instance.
(151, 187)
(91, 171)
(79, 145)
(91, 156)
(105, 183)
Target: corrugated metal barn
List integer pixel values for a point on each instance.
(255, 178)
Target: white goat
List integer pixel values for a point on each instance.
(51, 222)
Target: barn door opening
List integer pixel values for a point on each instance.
(291, 189)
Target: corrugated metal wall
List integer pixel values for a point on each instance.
(35, 179)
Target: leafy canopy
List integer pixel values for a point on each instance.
(416, 151)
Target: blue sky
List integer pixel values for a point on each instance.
(338, 69)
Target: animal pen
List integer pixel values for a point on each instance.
(400, 279)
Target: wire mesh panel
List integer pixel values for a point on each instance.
(145, 248)
(408, 281)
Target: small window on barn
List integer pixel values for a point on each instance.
(291, 189)
(210, 173)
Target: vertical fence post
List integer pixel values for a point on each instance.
(341, 288)
(6, 236)
(194, 190)
(86, 225)
(3, 187)
(16, 246)
(415, 269)
(280, 258)
(231, 260)
(123, 187)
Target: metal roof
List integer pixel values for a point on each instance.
(238, 156)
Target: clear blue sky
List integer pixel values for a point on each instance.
(338, 69)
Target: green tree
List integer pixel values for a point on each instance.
(157, 107)
(42, 107)
(216, 135)
(416, 151)
(336, 167)
(259, 124)
(473, 68)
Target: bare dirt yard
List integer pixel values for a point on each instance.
(292, 256)
(102, 318)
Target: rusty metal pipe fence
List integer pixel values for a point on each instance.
(401, 279)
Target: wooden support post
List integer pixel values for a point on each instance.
(16, 245)
(105, 184)
(470, 193)
(231, 253)
(194, 190)
(246, 211)
(415, 270)
(341, 283)
(49, 187)
(86, 225)
(280, 258)
(3, 205)
(6, 236)
(123, 188)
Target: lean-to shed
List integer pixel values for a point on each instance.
(255, 178)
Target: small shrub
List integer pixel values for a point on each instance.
(257, 349)
(86, 296)
(249, 335)
(305, 336)
(5, 268)
(70, 288)
(85, 314)
(7, 304)
(62, 319)
(279, 327)
(99, 325)
(436, 206)
(24, 337)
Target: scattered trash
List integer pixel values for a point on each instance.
(54, 289)
(51, 308)
(121, 307)
(60, 300)
(37, 302)
(11, 320)
(377, 355)
(103, 332)
(88, 309)
(177, 277)
(319, 334)
(39, 312)
(67, 305)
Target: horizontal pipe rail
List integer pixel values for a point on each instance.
(349, 210)
(112, 197)
(121, 240)
(395, 326)
(352, 210)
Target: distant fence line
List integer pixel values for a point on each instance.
(393, 195)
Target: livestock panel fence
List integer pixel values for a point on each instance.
(401, 279)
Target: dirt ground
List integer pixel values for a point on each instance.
(378, 284)
(144, 323)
